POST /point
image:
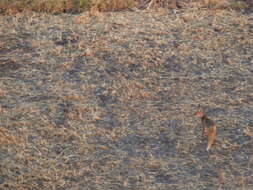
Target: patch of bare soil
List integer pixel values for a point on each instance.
(106, 101)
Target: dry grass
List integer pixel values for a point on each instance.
(52, 6)
(111, 5)
(108, 102)
(60, 6)
(70, 6)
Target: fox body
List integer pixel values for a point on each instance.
(209, 128)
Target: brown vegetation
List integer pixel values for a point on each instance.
(60, 6)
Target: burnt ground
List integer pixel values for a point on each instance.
(106, 101)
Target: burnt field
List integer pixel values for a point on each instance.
(106, 101)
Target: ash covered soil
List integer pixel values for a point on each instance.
(106, 101)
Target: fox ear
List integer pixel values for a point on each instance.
(199, 111)
(200, 108)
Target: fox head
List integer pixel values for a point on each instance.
(199, 112)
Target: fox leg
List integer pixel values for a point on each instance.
(211, 137)
(205, 132)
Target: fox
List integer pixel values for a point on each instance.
(209, 128)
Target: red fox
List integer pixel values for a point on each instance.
(209, 128)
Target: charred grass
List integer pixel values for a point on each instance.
(106, 101)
